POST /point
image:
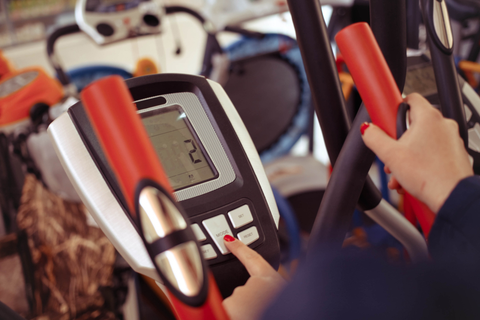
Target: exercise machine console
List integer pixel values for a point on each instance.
(211, 163)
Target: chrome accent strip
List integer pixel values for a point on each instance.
(158, 215)
(249, 148)
(441, 23)
(396, 224)
(407, 119)
(182, 267)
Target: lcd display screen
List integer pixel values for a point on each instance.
(180, 152)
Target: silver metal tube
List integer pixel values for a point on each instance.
(396, 224)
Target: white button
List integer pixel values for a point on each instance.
(208, 252)
(240, 216)
(218, 227)
(198, 232)
(248, 236)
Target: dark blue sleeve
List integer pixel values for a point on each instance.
(8, 314)
(456, 231)
(340, 285)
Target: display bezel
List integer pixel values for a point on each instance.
(204, 131)
(157, 111)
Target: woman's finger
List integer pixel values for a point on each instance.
(387, 170)
(393, 184)
(379, 142)
(253, 262)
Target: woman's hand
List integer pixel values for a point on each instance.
(428, 160)
(250, 300)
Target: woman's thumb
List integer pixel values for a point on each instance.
(378, 141)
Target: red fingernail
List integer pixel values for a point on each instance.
(228, 238)
(364, 127)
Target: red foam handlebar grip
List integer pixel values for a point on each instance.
(129, 151)
(371, 75)
(378, 90)
(122, 135)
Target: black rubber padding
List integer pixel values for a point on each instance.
(389, 25)
(348, 182)
(413, 23)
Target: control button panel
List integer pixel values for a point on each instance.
(238, 219)
(198, 233)
(208, 252)
(217, 227)
(248, 236)
(240, 216)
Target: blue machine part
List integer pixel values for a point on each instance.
(83, 76)
(383, 180)
(288, 216)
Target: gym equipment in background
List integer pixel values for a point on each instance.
(266, 82)
(110, 21)
(105, 22)
(73, 81)
(83, 76)
(466, 14)
(20, 90)
(29, 99)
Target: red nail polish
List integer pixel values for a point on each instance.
(228, 238)
(364, 127)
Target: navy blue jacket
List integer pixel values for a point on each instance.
(332, 285)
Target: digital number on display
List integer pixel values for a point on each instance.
(180, 152)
